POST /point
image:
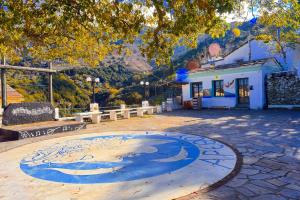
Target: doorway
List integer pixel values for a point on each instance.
(243, 92)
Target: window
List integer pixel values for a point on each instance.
(218, 88)
(197, 89)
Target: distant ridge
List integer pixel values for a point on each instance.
(133, 63)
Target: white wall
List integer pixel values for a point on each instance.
(257, 95)
(260, 50)
(241, 53)
(186, 92)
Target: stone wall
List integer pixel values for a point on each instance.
(283, 89)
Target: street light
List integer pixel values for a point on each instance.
(93, 82)
(146, 88)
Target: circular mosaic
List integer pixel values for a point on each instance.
(116, 165)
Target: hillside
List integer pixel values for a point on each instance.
(70, 87)
(133, 63)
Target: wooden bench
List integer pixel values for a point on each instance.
(94, 116)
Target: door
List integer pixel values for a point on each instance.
(243, 92)
(197, 93)
(197, 90)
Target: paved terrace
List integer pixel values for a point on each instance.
(268, 140)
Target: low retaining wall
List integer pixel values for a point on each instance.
(283, 89)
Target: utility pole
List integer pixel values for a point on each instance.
(249, 43)
(93, 81)
(3, 84)
(50, 84)
(94, 98)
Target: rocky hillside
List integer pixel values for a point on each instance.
(133, 63)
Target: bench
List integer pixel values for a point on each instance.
(66, 119)
(94, 116)
(148, 109)
(113, 114)
(158, 109)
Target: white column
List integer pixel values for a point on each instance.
(113, 115)
(126, 114)
(140, 112)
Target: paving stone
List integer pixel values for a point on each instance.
(241, 176)
(242, 197)
(288, 180)
(236, 182)
(250, 160)
(276, 182)
(262, 176)
(249, 171)
(264, 184)
(290, 193)
(224, 192)
(294, 175)
(290, 151)
(242, 150)
(287, 159)
(293, 187)
(275, 165)
(269, 197)
(273, 155)
(245, 191)
(280, 172)
(272, 148)
(258, 189)
(262, 169)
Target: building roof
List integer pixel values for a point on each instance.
(230, 52)
(238, 47)
(236, 65)
(11, 92)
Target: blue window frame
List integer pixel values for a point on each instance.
(218, 88)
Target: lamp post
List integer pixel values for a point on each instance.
(93, 81)
(146, 88)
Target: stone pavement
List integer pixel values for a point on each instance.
(268, 140)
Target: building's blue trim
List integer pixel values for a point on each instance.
(229, 96)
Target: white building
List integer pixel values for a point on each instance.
(230, 83)
(260, 50)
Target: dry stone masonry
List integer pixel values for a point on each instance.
(283, 89)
